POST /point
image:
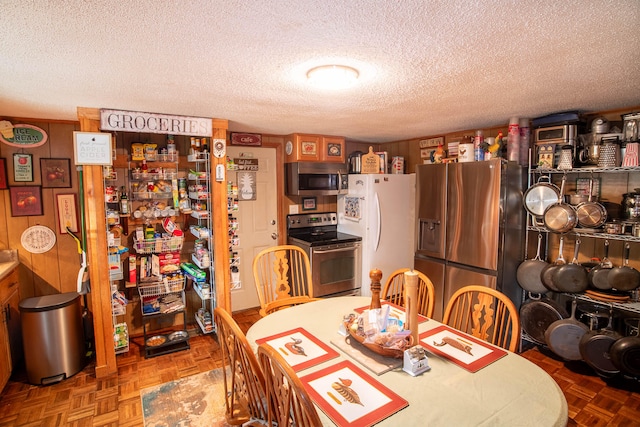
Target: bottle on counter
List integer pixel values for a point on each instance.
(124, 202)
(198, 146)
(478, 152)
(525, 141)
(192, 147)
(144, 168)
(204, 145)
(171, 145)
(513, 140)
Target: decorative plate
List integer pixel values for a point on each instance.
(38, 239)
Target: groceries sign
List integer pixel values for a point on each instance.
(134, 121)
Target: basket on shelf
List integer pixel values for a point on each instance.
(167, 286)
(157, 245)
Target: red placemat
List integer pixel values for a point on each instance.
(395, 309)
(299, 348)
(350, 396)
(464, 350)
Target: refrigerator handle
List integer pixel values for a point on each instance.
(377, 204)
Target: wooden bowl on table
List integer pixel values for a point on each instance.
(396, 353)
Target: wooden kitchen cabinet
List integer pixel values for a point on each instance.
(314, 148)
(333, 149)
(10, 343)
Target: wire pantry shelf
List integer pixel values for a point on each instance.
(158, 245)
(167, 286)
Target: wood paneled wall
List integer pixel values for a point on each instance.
(56, 270)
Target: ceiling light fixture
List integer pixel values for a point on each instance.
(333, 76)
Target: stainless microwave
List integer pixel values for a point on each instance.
(311, 179)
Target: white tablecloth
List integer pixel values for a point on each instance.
(509, 392)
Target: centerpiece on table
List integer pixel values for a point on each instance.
(379, 331)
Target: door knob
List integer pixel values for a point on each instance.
(274, 236)
(273, 222)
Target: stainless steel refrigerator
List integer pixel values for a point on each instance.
(381, 209)
(471, 226)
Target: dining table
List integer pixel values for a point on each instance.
(510, 391)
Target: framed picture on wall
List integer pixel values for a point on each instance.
(26, 201)
(67, 213)
(22, 167)
(56, 173)
(4, 180)
(308, 203)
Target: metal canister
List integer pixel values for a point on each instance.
(397, 165)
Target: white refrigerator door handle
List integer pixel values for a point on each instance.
(379, 219)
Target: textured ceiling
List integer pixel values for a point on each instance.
(426, 67)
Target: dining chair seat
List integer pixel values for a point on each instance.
(393, 291)
(486, 314)
(244, 383)
(282, 277)
(289, 402)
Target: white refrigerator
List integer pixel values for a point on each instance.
(380, 209)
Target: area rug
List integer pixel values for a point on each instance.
(194, 401)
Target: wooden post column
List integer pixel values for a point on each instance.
(97, 254)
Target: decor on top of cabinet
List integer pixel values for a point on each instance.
(314, 148)
(370, 162)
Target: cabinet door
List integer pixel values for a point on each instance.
(5, 351)
(14, 327)
(301, 148)
(332, 149)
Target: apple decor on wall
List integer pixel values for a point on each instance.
(56, 173)
(26, 201)
(22, 167)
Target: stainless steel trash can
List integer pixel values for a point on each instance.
(53, 337)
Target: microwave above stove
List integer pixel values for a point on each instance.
(316, 179)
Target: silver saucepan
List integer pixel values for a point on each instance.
(560, 217)
(591, 214)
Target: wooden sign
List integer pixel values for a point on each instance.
(22, 136)
(370, 162)
(245, 164)
(431, 142)
(135, 121)
(247, 139)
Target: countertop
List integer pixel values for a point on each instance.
(8, 261)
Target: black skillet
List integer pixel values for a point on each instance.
(595, 347)
(623, 277)
(599, 275)
(571, 277)
(546, 274)
(563, 336)
(537, 314)
(625, 354)
(528, 273)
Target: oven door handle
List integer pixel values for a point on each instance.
(329, 251)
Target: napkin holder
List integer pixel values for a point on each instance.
(415, 361)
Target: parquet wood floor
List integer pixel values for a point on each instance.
(83, 400)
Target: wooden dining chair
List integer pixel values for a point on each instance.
(486, 314)
(393, 291)
(289, 402)
(244, 383)
(282, 277)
